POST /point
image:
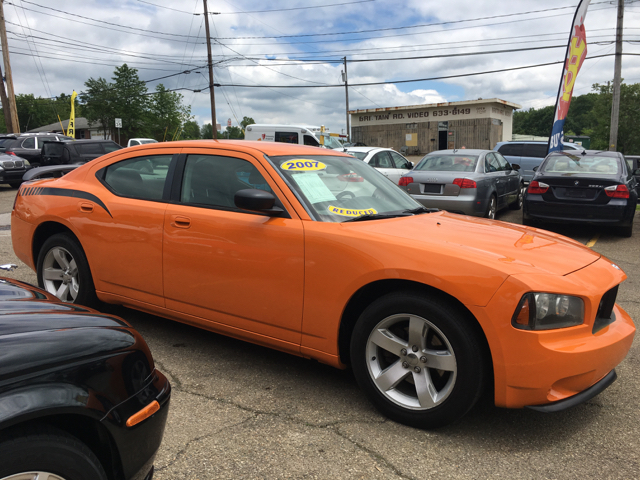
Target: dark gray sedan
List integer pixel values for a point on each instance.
(472, 182)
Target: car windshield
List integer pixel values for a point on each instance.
(337, 189)
(448, 163)
(358, 155)
(332, 142)
(590, 164)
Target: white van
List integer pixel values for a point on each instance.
(302, 135)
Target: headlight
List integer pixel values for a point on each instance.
(546, 311)
(26, 163)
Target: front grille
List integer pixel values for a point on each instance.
(8, 164)
(605, 314)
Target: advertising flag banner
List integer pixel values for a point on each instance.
(576, 53)
(71, 129)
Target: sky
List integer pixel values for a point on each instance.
(264, 51)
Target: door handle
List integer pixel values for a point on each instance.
(178, 221)
(84, 207)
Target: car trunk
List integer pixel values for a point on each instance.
(582, 189)
(435, 183)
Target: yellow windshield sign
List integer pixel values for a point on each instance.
(302, 165)
(347, 212)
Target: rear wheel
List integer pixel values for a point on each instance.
(63, 270)
(418, 360)
(626, 231)
(491, 208)
(48, 454)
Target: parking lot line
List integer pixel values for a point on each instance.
(593, 241)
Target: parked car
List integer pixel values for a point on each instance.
(76, 151)
(28, 145)
(140, 141)
(633, 164)
(80, 397)
(386, 160)
(12, 168)
(529, 154)
(298, 134)
(590, 187)
(471, 182)
(313, 252)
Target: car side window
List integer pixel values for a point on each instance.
(381, 160)
(309, 140)
(110, 147)
(537, 150)
(29, 143)
(490, 163)
(513, 149)
(214, 180)
(504, 165)
(400, 161)
(286, 137)
(139, 177)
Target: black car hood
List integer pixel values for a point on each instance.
(37, 329)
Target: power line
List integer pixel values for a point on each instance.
(294, 8)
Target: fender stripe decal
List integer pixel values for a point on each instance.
(64, 192)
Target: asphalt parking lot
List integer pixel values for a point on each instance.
(242, 411)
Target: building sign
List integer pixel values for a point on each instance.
(443, 126)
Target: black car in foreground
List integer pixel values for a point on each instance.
(80, 398)
(589, 187)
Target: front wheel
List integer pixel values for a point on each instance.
(517, 205)
(491, 208)
(48, 454)
(419, 361)
(63, 270)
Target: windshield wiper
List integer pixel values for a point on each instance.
(417, 211)
(377, 216)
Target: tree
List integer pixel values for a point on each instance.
(234, 132)
(168, 114)
(191, 130)
(246, 121)
(206, 131)
(99, 103)
(131, 103)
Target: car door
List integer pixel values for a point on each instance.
(401, 165)
(124, 226)
(384, 164)
(26, 148)
(512, 176)
(231, 268)
(494, 172)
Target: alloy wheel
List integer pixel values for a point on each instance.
(60, 275)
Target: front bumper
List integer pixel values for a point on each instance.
(12, 175)
(541, 367)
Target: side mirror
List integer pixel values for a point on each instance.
(515, 166)
(412, 165)
(257, 201)
(535, 169)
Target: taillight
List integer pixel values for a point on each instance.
(617, 191)
(350, 177)
(465, 183)
(11, 153)
(404, 181)
(537, 187)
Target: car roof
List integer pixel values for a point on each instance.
(600, 153)
(461, 151)
(366, 149)
(267, 148)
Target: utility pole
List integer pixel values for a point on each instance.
(12, 125)
(213, 99)
(346, 92)
(617, 79)
(5, 105)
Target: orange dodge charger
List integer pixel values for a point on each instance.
(315, 253)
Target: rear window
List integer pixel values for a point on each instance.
(358, 155)
(89, 148)
(51, 149)
(112, 147)
(448, 163)
(594, 165)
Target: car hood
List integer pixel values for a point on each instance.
(509, 248)
(37, 330)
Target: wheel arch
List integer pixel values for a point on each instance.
(46, 230)
(86, 428)
(374, 290)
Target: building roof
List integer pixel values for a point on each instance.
(479, 101)
(81, 124)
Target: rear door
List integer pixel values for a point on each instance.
(512, 152)
(495, 171)
(383, 162)
(401, 164)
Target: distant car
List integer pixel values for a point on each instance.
(529, 154)
(76, 151)
(12, 168)
(386, 160)
(472, 182)
(633, 164)
(80, 397)
(28, 146)
(140, 141)
(589, 187)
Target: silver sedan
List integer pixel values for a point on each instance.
(472, 182)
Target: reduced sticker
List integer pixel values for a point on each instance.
(347, 212)
(302, 165)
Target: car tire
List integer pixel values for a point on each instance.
(399, 341)
(63, 271)
(492, 208)
(517, 205)
(626, 231)
(48, 453)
